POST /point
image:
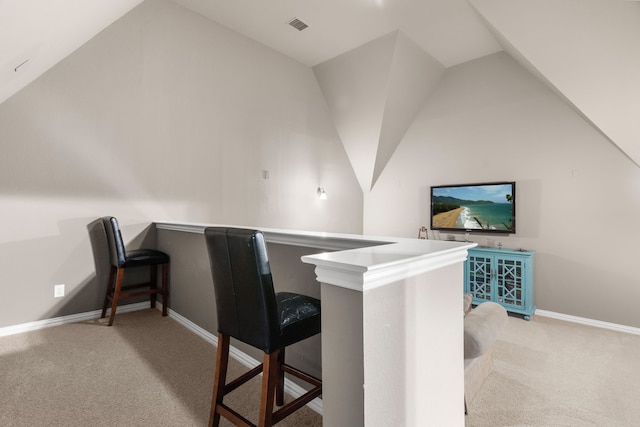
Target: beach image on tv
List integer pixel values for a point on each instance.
(479, 207)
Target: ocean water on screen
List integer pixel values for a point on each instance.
(495, 214)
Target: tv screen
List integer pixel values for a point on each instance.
(487, 207)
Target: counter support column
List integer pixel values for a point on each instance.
(392, 336)
(342, 355)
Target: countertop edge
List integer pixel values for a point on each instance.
(357, 262)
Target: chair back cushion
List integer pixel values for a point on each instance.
(117, 253)
(245, 298)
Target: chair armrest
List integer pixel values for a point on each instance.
(481, 328)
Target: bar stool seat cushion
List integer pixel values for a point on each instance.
(299, 317)
(140, 257)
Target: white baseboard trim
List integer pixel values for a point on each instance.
(290, 387)
(72, 318)
(589, 322)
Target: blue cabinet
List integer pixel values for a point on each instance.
(504, 276)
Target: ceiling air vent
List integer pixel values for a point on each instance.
(297, 24)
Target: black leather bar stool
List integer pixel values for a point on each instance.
(250, 311)
(121, 260)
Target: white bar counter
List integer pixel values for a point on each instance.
(392, 326)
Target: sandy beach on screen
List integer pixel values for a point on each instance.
(447, 219)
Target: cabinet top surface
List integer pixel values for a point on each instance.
(504, 251)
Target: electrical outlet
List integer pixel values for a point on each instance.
(58, 291)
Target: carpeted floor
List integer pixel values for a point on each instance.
(145, 370)
(551, 373)
(150, 370)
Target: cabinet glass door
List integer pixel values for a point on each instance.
(509, 276)
(480, 277)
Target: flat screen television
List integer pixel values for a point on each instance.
(485, 208)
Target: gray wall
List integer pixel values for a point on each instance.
(578, 196)
(168, 116)
(163, 116)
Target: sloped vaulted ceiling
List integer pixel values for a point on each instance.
(374, 93)
(36, 34)
(588, 50)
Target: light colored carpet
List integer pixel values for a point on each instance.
(145, 370)
(149, 370)
(550, 373)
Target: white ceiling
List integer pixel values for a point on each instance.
(449, 30)
(559, 40)
(36, 34)
(42, 32)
